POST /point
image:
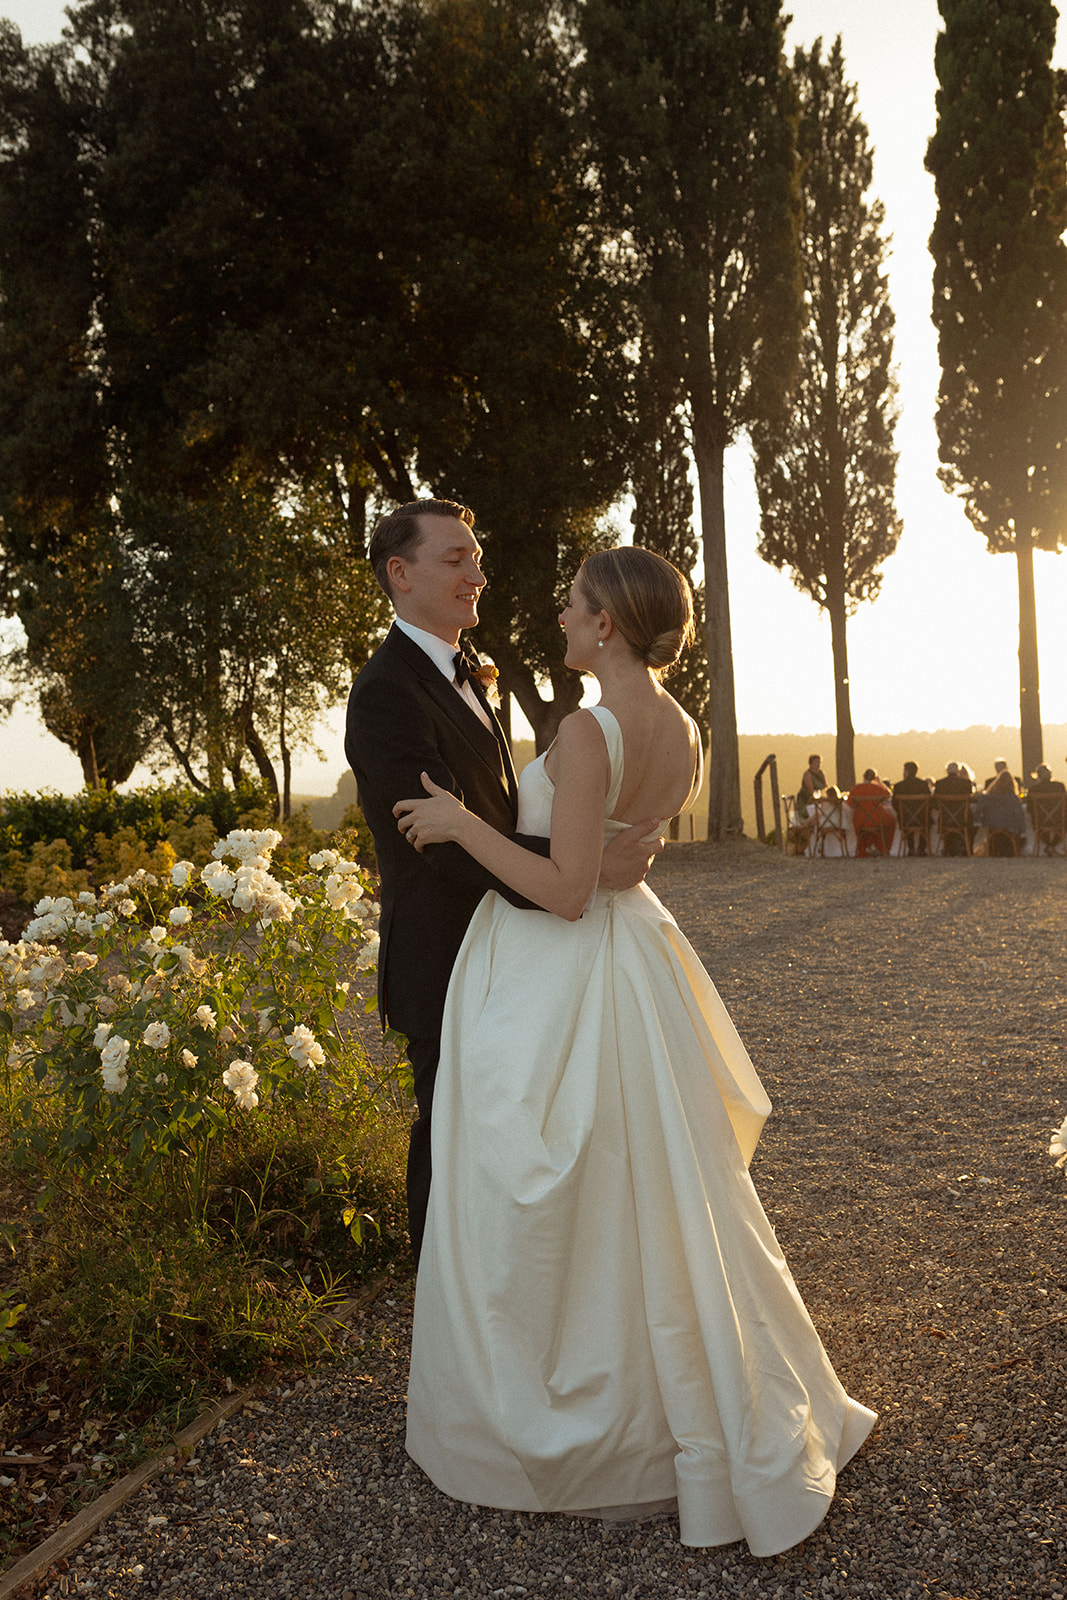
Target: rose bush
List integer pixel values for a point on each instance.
(146, 1020)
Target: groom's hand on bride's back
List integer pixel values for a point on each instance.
(628, 856)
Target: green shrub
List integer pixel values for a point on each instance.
(153, 813)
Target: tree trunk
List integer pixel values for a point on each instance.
(87, 757)
(213, 720)
(287, 758)
(845, 744)
(1029, 679)
(724, 773)
(263, 763)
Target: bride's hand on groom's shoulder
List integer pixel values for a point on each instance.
(628, 856)
(432, 820)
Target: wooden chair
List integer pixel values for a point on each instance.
(1049, 813)
(796, 833)
(953, 815)
(1002, 835)
(871, 825)
(913, 820)
(830, 824)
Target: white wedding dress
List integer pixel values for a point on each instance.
(603, 1316)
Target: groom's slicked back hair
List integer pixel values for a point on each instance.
(399, 533)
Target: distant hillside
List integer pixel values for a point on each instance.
(979, 747)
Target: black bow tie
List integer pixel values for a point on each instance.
(466, 664)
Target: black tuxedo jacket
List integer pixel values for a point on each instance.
(405, 718)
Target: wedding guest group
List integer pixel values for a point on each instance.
(1001, 818)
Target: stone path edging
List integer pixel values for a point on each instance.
(74, 1533)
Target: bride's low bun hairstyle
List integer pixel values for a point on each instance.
(647, 599)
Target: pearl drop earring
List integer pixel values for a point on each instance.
(600, 644)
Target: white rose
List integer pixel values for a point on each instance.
(241, 1078)
(156, 1036)
(179, 915)
(180, 873)
(206, 1017)
(216, 879)
(304, 1047)
(113, 1064)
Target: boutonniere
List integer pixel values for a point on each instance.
(487, 675)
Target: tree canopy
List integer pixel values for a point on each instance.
(1000, 291)
(304, 256)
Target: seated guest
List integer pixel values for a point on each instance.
(999, 768)
(1043, 786)
(812, 783)
(873, 817)
(954, 784)
(912, 784)
(1042, 782)
(1000, 808)
(955, 781)
(968, 776)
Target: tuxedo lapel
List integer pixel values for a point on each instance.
(489, 743)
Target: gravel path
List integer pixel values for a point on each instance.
(909, 1020)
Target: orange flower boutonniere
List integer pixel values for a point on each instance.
(487, 675)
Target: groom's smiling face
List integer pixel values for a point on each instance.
(437, 587)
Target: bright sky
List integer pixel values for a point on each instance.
(938, 649)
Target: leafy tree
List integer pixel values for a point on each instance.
(79, 657)
(310, 283)
(1000, 291)
(161, 616)
(692, 139)
(826, 468)
(524, 420)
(245, 611)
(60, 570)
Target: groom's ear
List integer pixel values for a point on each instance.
(397, 570)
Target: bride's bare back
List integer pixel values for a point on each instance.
(662, 755)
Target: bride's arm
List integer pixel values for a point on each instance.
(562, 882)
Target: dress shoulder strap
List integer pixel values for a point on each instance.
(609, 727)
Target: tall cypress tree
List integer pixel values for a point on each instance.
(826, 468)
(692, 140)
(1000, 291)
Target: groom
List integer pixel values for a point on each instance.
(415, 708)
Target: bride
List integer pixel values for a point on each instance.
(604, 1322)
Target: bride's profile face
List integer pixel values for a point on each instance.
(582, 628)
